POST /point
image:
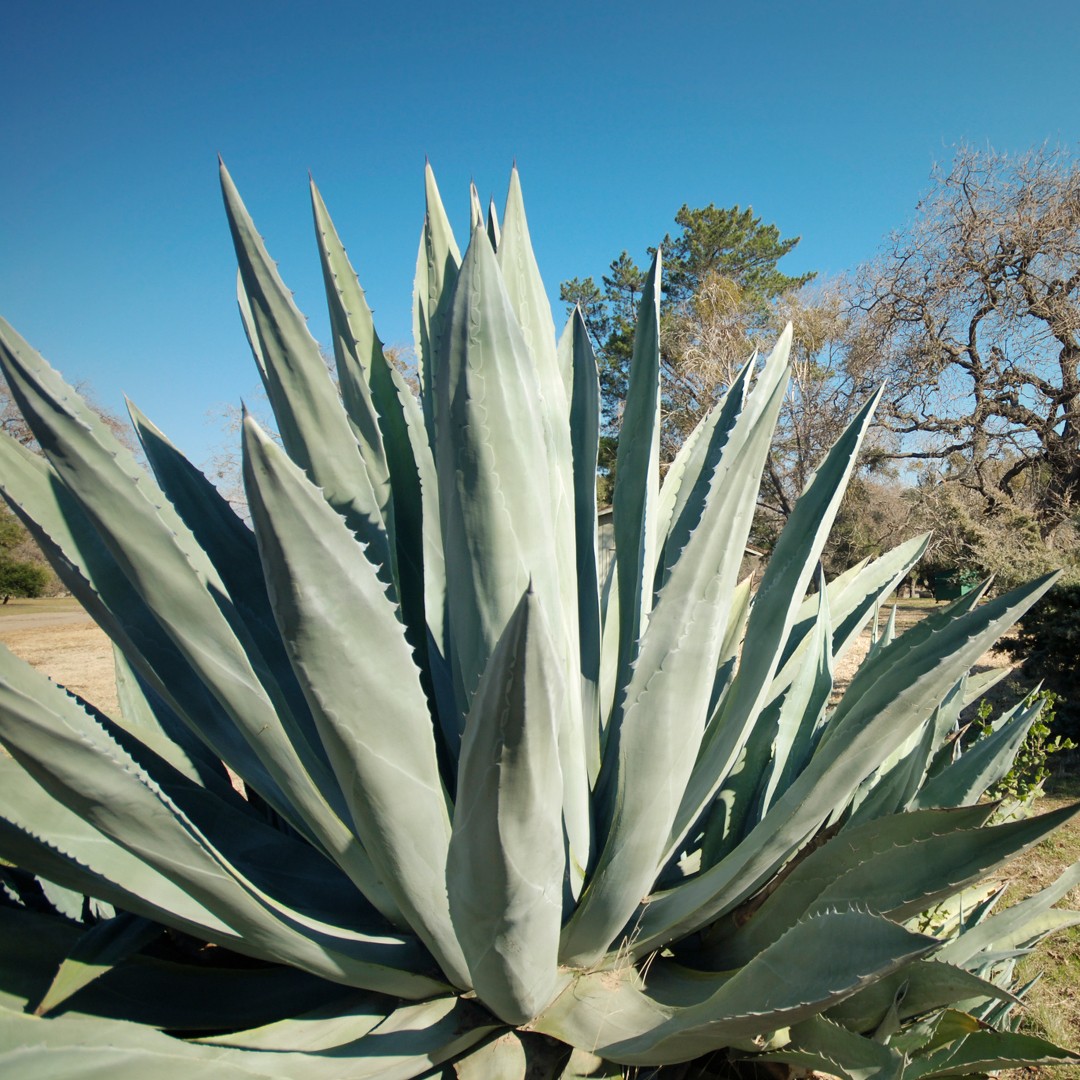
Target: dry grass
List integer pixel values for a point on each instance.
(1052, 1008)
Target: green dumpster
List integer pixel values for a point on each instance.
(952, 584)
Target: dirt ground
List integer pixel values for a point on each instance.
(67, 645)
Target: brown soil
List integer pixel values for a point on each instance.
(68, 647)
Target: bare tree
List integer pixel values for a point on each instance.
(974, 312)
(709, 338)
(830, 381)
(13, 424)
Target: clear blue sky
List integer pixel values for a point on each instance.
(115, 259)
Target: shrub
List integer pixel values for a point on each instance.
(1048, 641)
(21, 579)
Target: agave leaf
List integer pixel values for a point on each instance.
(780, 743)
(637, 484)
(41, 835)
(437, 266)
(496, 530)
(925, 871)
(890, 789)
(529, 299)
(916, 989)
(497, 524)
(328, 600)
(77, 1047)
(554, 382)
(181, 995)
(284, 901)
(981, 766)
(358, 1039)
(374, 390)
(24, 889)
(503, 1058)
(506, 861)
(376, 403)
(987, 1051)
(978, 683)
(585, 1065)
(938, 1031)
(32, 944)
(741, 600)
(154, 723)
(657, 728)
(893, 786)
(476, 211)
(407, 1043)
(577, 355)
(67, 535)
(1012, 927)
(859, 738)
(493, 230)
(609, 650)
(793, 979)
(886, 666)
(170, 576)
(95, 953)
(775, 609)
(215, 526)
(41, 723)
(686, 485)
(802, 707)
(738, 937)
(308, 412)
(854, 596)
(230, 546)
(1031, 934)
(53, 410)
(326, 1028)
(818, 1045)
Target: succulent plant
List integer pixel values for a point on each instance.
(398, 786)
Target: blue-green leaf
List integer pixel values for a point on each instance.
(637, 478)
(578, 355)
(95, 953)
(436, 275)
(372, 717)
(314, 428)
(506, 862)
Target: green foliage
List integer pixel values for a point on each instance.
(18, 576)
(714, 244)
(501, 815)
(1030, 768)
(999, 539)
(1048, 641)
(735, 245)
(22, 579)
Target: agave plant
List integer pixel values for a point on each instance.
(398, 785)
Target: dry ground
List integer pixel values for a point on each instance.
(57, 637)
(60, 639)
